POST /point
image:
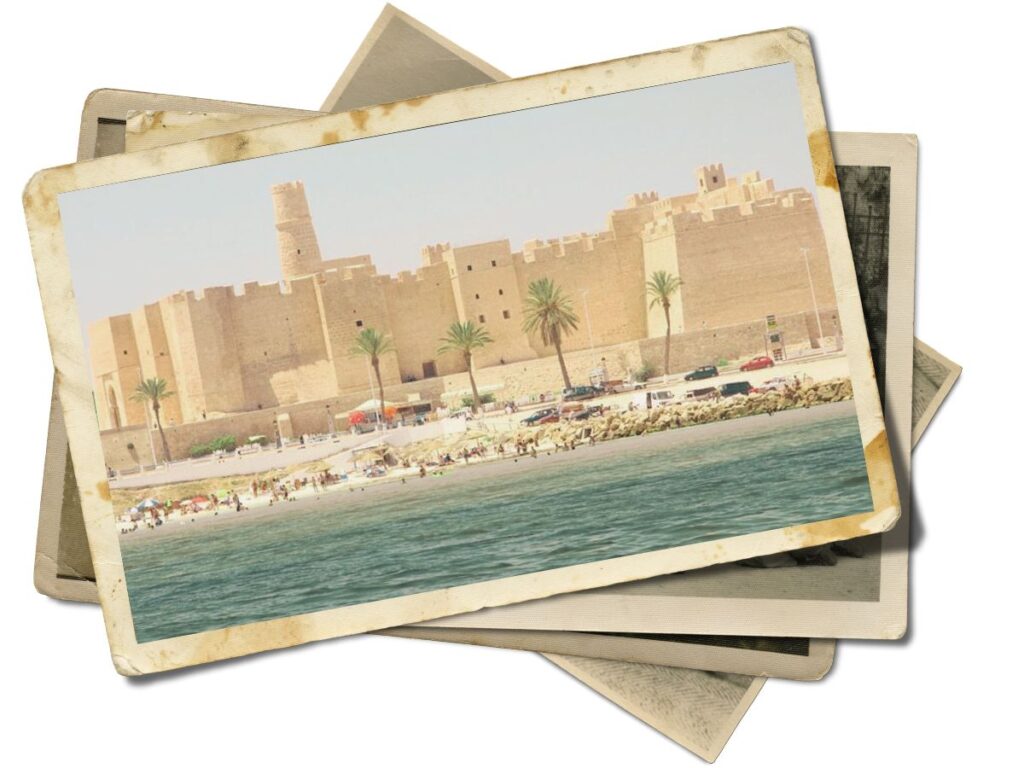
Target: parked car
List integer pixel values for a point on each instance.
(704, 372)
(661, 397)
(586, 392)
(777, 383)
(552, 415)
(537, 416)
(620, 385)
(757, 363)
(579, 414)
(704, 393)
(569, 410)
(735, 388)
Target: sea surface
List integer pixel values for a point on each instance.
(634, 495)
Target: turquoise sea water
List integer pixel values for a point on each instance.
(648, 493)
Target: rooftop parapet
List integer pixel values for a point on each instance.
(434, 254)
(641, 198)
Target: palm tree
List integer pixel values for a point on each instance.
(464, 338)
(549, 311)
(152, 391)
(661, 287)
(374, 344)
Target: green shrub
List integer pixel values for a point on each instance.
(644, 372)
(224, 443)
(487, 397)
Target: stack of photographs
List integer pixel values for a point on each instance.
(522, 365)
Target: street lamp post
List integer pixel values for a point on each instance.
(590, 328)
(814, 298)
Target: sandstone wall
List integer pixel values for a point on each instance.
(743, 266)
(487, 291)
(421, 307)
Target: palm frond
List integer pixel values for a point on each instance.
(153, 390)
(548, 311)
(464, 338)
(371, 343)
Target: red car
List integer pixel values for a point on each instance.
(758, 363)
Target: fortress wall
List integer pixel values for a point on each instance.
(736, 343)
(155, 357)
(660, 253)
(346, 306)
(610, 276)
(532, 377)
(116, 371)
(421, 307)
(177, 322)
(280, 347)
(228, 353)
(487, 291)
(214, 347)
(750, 266)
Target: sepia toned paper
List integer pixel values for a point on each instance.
(106, 110)
(934, 377)
(401, 58)
(697, 710)
(790, 658)
(719, 57)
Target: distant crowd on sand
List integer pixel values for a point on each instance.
(285, 490)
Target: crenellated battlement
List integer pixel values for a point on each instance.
(641, 198)
(433, 254)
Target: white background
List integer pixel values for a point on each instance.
(946, 694)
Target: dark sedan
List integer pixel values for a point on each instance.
(537, 416)
(704, 372)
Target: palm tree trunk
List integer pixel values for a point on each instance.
(472, 383)
(561, 363)
(163, 437)
(380, 389)
(668, 339)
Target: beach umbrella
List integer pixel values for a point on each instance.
(149, 504)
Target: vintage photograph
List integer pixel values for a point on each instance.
(306, 431)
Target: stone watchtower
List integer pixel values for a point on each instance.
(710, 177)
(297, 247)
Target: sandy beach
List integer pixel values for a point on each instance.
(477, 470)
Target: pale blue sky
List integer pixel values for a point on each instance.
(535, 173)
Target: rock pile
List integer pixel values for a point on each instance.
(614, 424)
